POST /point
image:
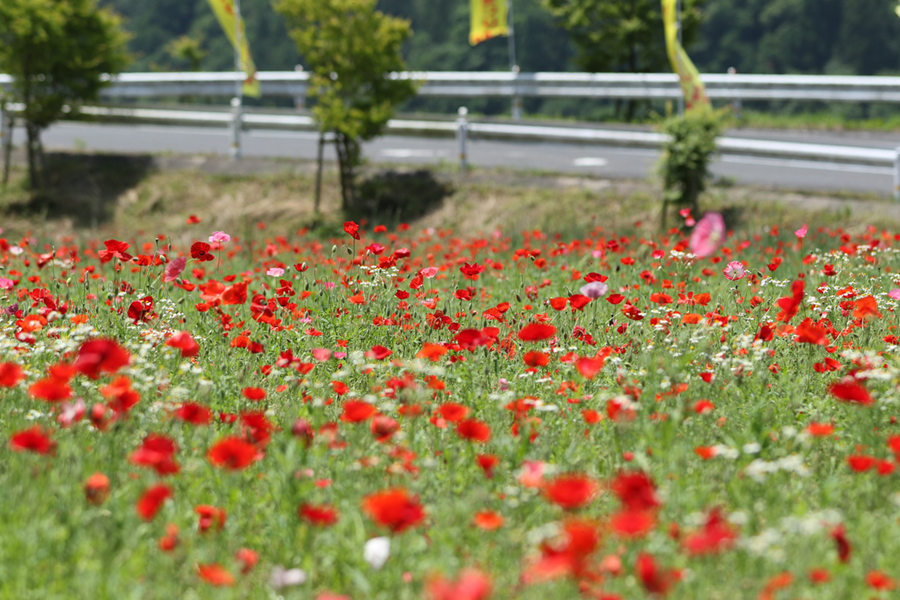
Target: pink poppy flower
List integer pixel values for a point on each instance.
(708, 235)
(219, 237)
(275, 272)
(594, 290)
(174, 268)
(734, 271)
(801, 233)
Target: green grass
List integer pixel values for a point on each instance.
(782, 490)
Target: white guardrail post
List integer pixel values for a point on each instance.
(5, 140)
(236, 124)
(897, 175)
(462, 135)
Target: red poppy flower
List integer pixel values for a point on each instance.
(791, 304)
(152, 500)
(861, 463)
(378, 353)
(879, 580)
(232, 453)
(654, 579)
(194, 413)
(471, 271)
(589, 367)
(114, 249)
(254, 393)
(247, 558)
(384, 427)
(200, 251)
(571, 491)
(50, 389)
(96, 489)
(487, 462)
(852, 392)
(169, 541)
(488, 520)
(101, 356)
(535, 358)
(121, 395)
(866, 308)
(633, 523)
(432, 352)
(319, 515)
(535, 332)
(356, 411)
(839, 535)
(394, 509)
(470, 585)
(158, 453)
(568, 556)
(474, 430)
(351, 229)
(453, 412)
(33, 439)
(717, 535)
(10, 374)
(210, 516)
(216, 575)
(635, 490)
(184, 342)
(340, 388)
(257, 427)
(809, 332)
(820, 429)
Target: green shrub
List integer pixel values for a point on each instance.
(686, 157)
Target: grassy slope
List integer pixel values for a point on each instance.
(143, 195)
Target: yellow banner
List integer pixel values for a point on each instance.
(691, 86)
(488, 20)
(224, 10)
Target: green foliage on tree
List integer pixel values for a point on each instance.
(859, 37)
(56, 52)
(350, 48)
(188, 50)
(622, 35)
(684, 166)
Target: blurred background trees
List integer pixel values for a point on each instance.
(56, 52)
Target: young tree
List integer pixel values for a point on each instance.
(622, 35)
(56, 52)
(350, 49)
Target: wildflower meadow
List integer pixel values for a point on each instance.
(396, 413)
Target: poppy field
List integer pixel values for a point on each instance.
(401, 413)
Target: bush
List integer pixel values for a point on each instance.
(686, 157)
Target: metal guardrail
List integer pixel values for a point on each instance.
(464, 130)
(500, 131)
(637, 86)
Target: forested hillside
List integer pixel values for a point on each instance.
(755, 36)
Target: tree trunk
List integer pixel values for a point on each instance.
(7, 146)
(34, 134)
(348, 158)
(319, 163)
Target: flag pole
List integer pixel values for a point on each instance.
(513, 65)
(678, 17)
(238, 100)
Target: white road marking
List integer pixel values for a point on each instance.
(807, 164)
(590, 162)
(409, 153)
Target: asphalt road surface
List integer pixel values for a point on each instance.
(593, 160)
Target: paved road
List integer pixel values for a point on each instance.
(563, 158)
